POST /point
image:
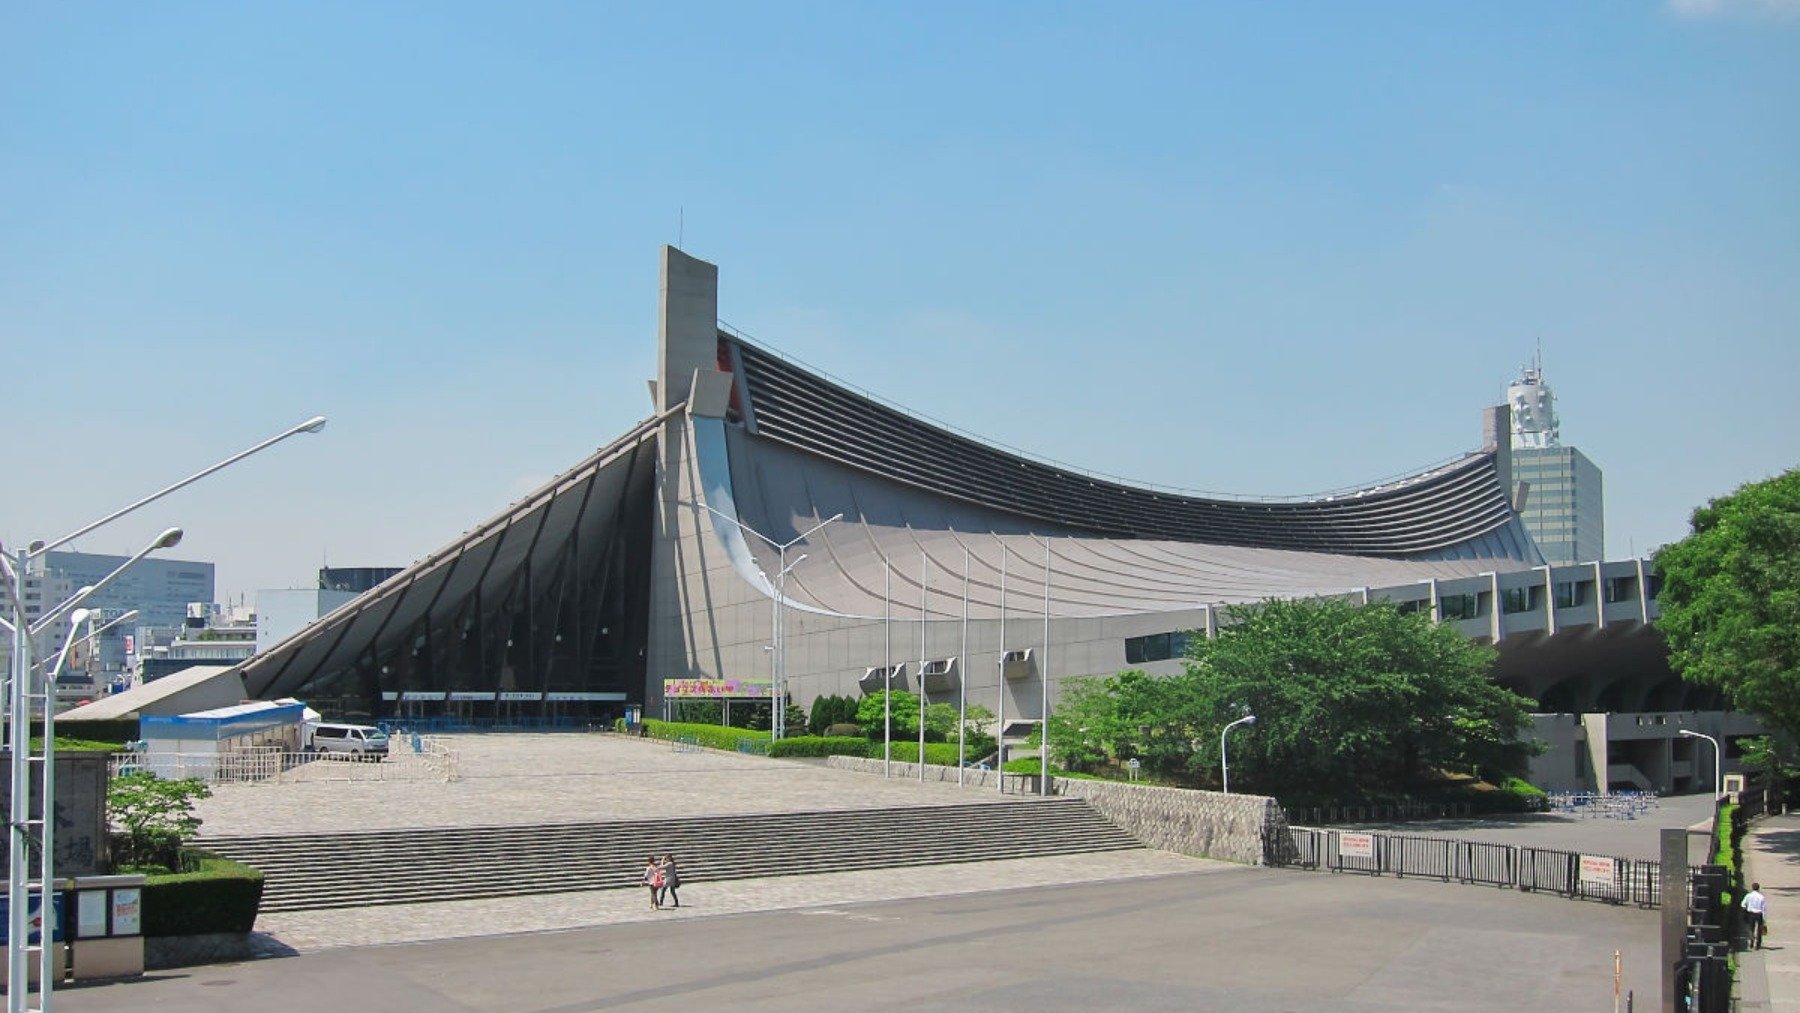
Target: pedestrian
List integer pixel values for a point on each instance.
(671, 879)
(1757, 907)
(653, 878)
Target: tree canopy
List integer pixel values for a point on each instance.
(1349, 699)
(1731, 598)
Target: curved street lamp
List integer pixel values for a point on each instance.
(1718, 761)
(1224, 765)
(20, 885)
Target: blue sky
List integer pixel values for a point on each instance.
(1258, 248)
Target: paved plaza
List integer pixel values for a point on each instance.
(1240, 939)
(555, 778)
(1148, 929)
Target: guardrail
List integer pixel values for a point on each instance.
(1530, 870)
(414, 758)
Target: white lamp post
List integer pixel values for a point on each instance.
(777, 720)
(23, 829)
(1224, 765)
(1718, 761)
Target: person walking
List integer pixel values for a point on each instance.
(671, 879)
(1756, 906)
(653, 878)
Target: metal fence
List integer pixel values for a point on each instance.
(1565, 873)
(1388, 812)
(417, 758)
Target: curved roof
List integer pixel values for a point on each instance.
(1422, 515)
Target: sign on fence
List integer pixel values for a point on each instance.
(1356, 845)
(1599, 871)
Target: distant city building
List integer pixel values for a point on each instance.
(210, 635)
(1564, 506)
(355, 579)
(159, 589)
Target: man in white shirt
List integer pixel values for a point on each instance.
(1756, 906)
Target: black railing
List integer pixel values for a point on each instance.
(1541, 870)
(1373, 812)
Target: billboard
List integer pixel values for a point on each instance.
(718, 689)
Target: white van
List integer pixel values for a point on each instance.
(360, 741)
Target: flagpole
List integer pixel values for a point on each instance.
(1044, 686)
(887, 671)
(962, 680)
(1000, 713)
(922, 605)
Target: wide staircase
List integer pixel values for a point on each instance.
(361, 869)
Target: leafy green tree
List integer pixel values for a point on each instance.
(905, 722)
(154, 818)
(1354, 698)
(1731, 599)
(1348, 700)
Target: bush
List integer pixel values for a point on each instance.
(711, 736)
(819, 745)
(942, 754)
(155, 817)
(222, 896)
(844, 729)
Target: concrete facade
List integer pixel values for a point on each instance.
(81, 841)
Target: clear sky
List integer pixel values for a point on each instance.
(1258, 248)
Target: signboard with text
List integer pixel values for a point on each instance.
(1599, 871)
(718, 689)
(1356, 845)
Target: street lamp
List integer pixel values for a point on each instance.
(1718, 761)
(14, 567)
(778, 720)
(1224, 765)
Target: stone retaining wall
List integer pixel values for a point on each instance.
(1207, 824)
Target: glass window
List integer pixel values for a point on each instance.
(1457, 606)
(1570, 593)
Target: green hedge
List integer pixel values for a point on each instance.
(820, 745)
(221, 897)
(711, 736)
(116, 731)
(942, 754)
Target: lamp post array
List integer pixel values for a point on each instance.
(777, 630)
(25, 833)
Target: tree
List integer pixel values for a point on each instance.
(870, 714)
(1731, 599)
(1355, 699)
(1349, 699)
(155, 817)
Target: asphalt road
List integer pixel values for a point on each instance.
(1246, 940)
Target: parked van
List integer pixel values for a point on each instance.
(361, 741)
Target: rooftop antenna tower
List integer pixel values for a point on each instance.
(1534, 424)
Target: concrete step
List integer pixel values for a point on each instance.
(358, 869)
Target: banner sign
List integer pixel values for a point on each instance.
(1599, 871)
(558, 695)
(519, 695)
(717, 689)
(1356, 846)
(464, 695)
(422, 694)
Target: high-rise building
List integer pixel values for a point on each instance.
(1564, 508)
(160, 589)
